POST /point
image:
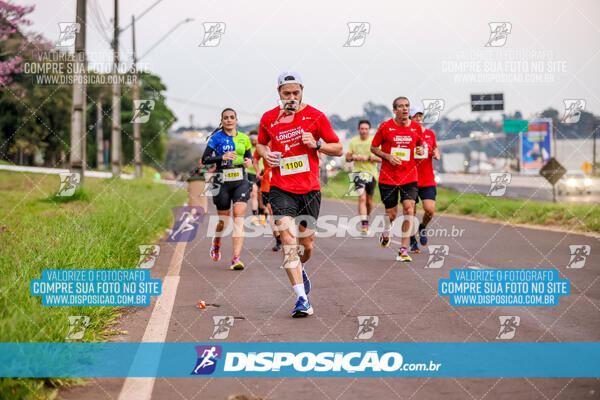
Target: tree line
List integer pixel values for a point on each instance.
(35, 110)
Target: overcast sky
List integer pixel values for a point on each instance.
(420, 49)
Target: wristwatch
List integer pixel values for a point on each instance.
(318, 144)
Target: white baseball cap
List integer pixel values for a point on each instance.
(289, 77)
(414, 110)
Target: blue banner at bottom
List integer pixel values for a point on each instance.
(293, 359)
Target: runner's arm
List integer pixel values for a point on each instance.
(331, 145)
(385, 156)
(349, 153)
(436, 150)
(379, 153)
(376, 144)
(263, 140)
(332, 149)
(209, 156)
(262, 150)
(255, 163)
(248, 158)
(374, 158)
(357, 157)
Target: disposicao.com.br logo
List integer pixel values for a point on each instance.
(370, 361)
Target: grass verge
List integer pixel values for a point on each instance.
(100, 226)
(568, 216)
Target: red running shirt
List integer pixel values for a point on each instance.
(425, 165)
(299, 170)
(402, 140)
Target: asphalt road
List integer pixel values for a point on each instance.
(520, 192)
(354, 277)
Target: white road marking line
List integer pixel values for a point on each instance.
(156, 330)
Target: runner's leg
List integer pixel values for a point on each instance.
(408, 210)
(222, 201)
(427, 194)
(307, 240)
(215, 246)
(291, 261)
(362, 204)
(293, 266)
(392, 213)
(239, 210)
(362, 207)
(428, 211)
(261, 205)
(414, 245)
(254, 202)
(224, 217)
(369, 202)
(389, 198)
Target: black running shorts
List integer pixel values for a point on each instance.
(389, 193)
(427, 193)
(231, 192)
(297, 206)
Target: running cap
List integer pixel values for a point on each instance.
(414, 110)
(289, 77)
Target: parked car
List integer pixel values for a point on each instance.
(574, 182)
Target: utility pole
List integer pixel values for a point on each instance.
(78, 108)
(99, 135)
(116, 101)
(84, 121)
(137, 134)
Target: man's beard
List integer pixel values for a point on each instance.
(290, 106)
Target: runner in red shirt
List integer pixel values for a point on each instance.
(396, 142)
(297, 133)
(426, 182)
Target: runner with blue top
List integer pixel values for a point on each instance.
(230, 150)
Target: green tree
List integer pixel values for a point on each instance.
(154, 132)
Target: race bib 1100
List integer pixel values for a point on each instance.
(294, 165)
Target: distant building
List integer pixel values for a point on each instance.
(194, 136)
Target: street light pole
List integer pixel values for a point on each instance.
(99, 134)
(78, 128)
(116, 101)
(137, 134)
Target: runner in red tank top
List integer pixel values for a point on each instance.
(297, 133)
